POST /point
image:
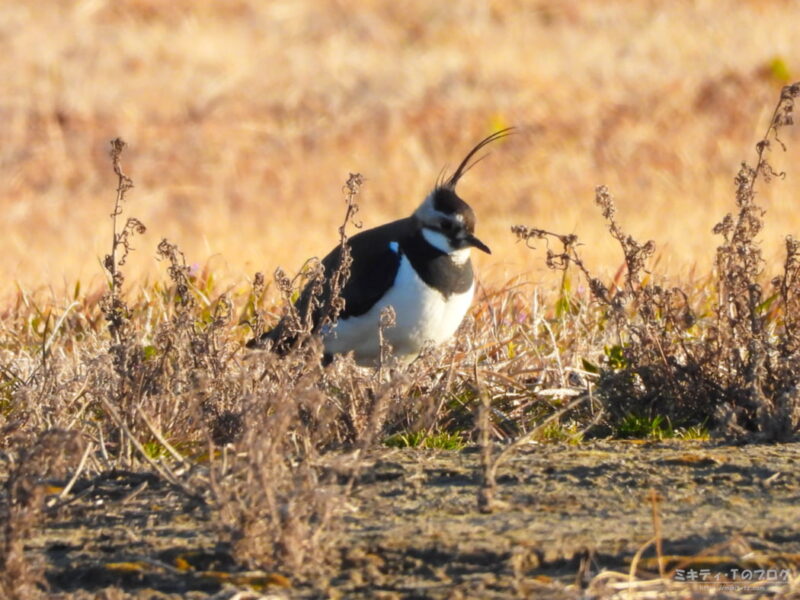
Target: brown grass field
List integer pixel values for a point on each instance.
(244, 119)
(590, 434)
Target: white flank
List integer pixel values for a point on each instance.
(423, 316)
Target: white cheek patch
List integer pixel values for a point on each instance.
(441, 242)
(437, 239)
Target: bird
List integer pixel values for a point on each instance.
(419, 265)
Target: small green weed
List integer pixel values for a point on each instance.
(695, 432)
(154, 450)
(420, 439)
(561, 432)
(641, 427)
(635, 426)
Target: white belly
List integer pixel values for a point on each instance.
(424, 316)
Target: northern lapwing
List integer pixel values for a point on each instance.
(419, 265)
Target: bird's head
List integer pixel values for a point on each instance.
(446, 221)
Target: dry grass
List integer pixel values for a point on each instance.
(245, 119)
(726, 358)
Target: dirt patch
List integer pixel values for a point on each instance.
(412, 529)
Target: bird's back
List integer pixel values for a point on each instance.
(369, 277)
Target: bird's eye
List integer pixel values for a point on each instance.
(446, 225)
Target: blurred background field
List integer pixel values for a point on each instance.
(244, 118)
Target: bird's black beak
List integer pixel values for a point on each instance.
(473, 241)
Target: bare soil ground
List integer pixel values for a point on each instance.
(412, 528)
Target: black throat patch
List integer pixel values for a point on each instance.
(436, 268)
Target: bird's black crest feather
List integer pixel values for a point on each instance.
(465, 164)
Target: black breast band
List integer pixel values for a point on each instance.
(436, 268)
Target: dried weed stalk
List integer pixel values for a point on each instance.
(737, 370)
(279, 487)
(167, 375)
(320, 301)
(302, 427)
(114, 308)
(273, 511)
